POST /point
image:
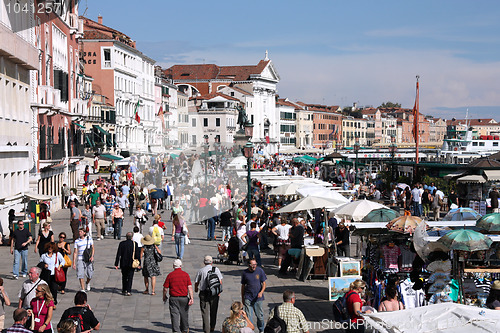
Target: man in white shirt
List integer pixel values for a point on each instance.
(208, 304)
(83, 268)
(98, 218)
(416, 197)
(137, 236)
(28, 290)
(168, 195)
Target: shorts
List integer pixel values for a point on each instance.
(84, 270)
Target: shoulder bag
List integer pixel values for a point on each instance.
(135, 262)
(157, 254)
(87, 253)
(59, 275)
(67, 260)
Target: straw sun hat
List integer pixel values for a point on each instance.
(148, 240)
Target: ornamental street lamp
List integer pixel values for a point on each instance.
(206, 147)
(248, 152)
(356, 150)
(217, 149)
(392, 149)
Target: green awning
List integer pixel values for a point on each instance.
(111, 157)
(103, 131)
(109, 142)
(77, 124)
(305, 159)
(89, 142)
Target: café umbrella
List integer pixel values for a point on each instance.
(465, 240)
(489, 222)
(381, 215)
(404, 224)
(308, 203)
(286, 189)
(461, 214)
(357, 210)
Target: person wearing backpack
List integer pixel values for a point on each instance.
(208, 281)
(157, 232)
(287, 317)
(83, 259)
(354, 305)
(82, 314)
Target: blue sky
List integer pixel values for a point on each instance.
(333, 52)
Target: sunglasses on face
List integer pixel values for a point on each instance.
(39, 291)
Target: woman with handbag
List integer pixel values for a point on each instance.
(53, 261)
(150, 268)
(45, 236)
(179, 234)
(65, 250)
(42, 308)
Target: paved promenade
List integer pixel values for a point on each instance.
(146, 313)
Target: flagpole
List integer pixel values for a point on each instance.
(416, 116)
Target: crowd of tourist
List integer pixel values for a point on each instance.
(139, 192)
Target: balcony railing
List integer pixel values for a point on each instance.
(47, 95)
(98, 119)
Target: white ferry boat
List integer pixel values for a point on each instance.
(463, 146)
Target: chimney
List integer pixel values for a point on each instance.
(99, 19)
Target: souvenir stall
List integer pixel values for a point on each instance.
(388, 257)
(467, 275)
(315, 256)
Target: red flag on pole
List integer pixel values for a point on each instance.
(416, 119)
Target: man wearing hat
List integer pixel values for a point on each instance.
(178, 286)
(208, 304)
(127, 251)
(493, 300)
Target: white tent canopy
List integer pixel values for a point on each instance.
(439, 318)
(358, 209)
(321, 192)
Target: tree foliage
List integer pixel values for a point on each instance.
(348, 111)
(389, 104)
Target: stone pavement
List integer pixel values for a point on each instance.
(146, 313)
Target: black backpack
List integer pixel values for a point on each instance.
(214, 287)
(340, 311)
(275, 324)
(76, 314)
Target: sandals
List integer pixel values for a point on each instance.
(145, 292)
(153, 293)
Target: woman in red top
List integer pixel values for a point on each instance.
(42, 307)
(355, 304)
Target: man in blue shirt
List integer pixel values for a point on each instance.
(253, 285)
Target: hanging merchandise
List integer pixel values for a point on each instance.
(411, 298)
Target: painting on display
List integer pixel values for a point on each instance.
(350, 268)
(338, 286)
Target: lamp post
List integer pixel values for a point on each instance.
(392, 149)
(356, 150)
(206, 147)
(217, 148)
(248, 151)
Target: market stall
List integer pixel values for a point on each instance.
(444, 318)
